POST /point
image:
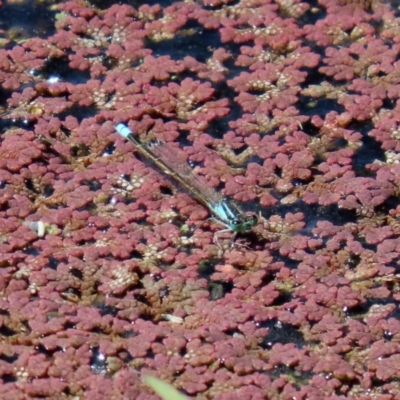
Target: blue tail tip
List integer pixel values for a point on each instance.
(123, 130)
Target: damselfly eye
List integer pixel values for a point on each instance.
(249, 222)
(252, 218)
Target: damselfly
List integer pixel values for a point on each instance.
(163, 156)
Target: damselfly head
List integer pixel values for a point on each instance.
(250, 221)
(243, 223)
